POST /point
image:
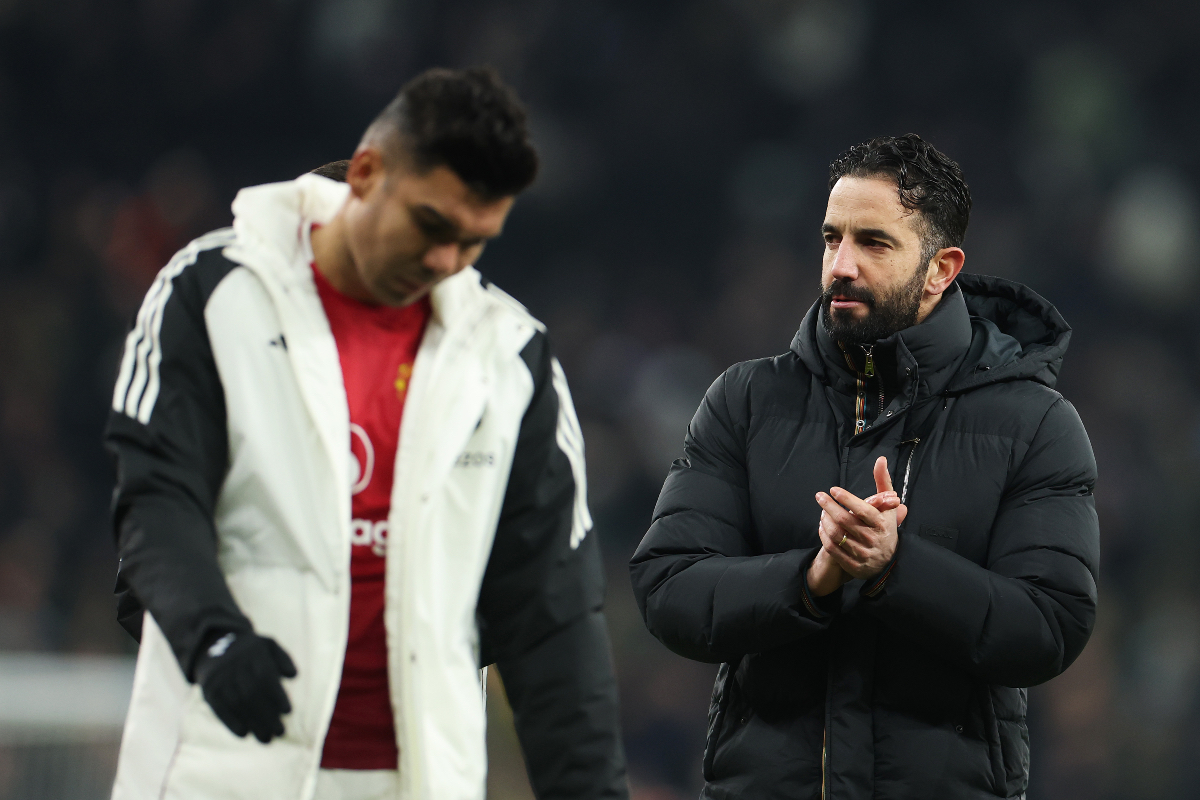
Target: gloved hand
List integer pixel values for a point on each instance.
(240, 674)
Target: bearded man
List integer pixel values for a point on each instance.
(878, 642)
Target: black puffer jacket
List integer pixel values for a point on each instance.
(911, 686)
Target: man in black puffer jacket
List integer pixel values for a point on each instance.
(878, 642)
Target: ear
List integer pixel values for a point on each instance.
(365, 171)
(943, 269)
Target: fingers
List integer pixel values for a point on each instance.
(841, 523)
(885, 501)
(837, 552)
(841, 540)
(853, 510)
(247, 693)
(227, 713)
(286, 668)
(835, 511)
(901, 513)
(883, 479)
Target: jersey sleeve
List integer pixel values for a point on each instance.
(167, 434)
(539, 611)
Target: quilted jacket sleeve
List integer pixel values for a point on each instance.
(703, 590)
(1024, 618)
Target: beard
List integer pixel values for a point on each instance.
(886, 313)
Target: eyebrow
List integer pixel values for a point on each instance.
(442, 221)
(864, 233)
(437, 217)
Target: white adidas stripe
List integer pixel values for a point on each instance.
(138, 385)
(569, 437)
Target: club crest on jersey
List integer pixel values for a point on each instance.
(403, 375)
(362, 459)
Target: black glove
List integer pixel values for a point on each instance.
(240, 674)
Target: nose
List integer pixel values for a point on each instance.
(443, 259)
(844, 263)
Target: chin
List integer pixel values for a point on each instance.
(845, 317)
(399, 299)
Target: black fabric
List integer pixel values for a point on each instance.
(535, 581)
(563, 695)
(241, 678)
(539, 611)
(169, 472)
(130, 611)
(912, 686)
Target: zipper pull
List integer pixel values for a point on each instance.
(869, 366)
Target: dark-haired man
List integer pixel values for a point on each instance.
(350, 474)
(886, 533)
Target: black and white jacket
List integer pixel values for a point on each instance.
(231, 432)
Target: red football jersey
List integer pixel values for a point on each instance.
(377, 346)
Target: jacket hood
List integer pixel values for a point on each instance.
(1014, 334)
(271, 223)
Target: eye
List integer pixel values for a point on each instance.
(433, 228)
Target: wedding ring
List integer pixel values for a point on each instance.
(843, 541)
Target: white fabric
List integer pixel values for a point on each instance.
(358, 784)
(283, 521)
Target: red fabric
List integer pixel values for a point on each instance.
(376, 346)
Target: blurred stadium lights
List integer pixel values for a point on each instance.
(343, 29)
(1152, 223)
(1081, 98)
(813, 46)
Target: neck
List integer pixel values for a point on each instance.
(928, 304)
(333, 258)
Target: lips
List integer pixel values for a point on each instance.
(840, 301)
(844, 295)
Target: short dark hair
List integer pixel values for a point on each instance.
(334, 170)
(467, 120)
(927, 180)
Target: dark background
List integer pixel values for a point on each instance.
(674, 230)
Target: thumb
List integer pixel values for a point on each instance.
(901, 513)
(883, 480)
(282, 660)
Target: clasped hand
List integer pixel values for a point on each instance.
(858, 537)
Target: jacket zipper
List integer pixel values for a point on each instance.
(908, 467)
(860, 379)
(860, 425)
(824, 764)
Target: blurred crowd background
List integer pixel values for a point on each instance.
(673, 231)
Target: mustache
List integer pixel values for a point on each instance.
(844, 288)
